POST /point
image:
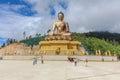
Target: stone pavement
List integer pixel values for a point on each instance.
(58, 70)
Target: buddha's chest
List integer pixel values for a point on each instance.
(60, 25)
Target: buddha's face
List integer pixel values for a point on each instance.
(60, 17)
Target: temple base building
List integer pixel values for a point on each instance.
(61, 47)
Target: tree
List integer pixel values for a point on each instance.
(39, 35)
(48, 30)
(30, 36)
(36, 35)
(24, 34)
(11, 41)
(3, 45)
(14, 40)
(8, 41)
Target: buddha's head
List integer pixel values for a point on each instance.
(60, 16)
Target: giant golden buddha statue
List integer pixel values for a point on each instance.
(59, 40)
(60, 30)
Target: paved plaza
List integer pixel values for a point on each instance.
(58, 70)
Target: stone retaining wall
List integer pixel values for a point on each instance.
(63, 58)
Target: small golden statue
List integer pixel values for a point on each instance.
(60, 30)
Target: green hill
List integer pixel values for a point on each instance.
(33, 41)
(113, 38)
(91, 44)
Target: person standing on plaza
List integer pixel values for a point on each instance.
(35, 60)
(75, 61)
(86, 62)
(42, 61)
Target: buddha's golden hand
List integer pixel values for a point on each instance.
(51, 33)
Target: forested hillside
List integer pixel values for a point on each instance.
(33, 41)
(91, 44)
(113, 38)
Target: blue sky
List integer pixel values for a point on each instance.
(37, 16)
(25, 10)
(3, 40)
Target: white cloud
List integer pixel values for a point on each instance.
(17, 7)
(93, 15)
(82, 16)
(13, 25)
(13, 6)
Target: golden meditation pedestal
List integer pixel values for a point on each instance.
(61, 47)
